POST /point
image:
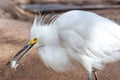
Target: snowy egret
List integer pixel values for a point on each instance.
(82, 36)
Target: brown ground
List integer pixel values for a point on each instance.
(14, 34)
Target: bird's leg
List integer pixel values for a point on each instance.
(95, 74)
(89, 75)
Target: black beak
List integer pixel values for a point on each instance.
(20, 54)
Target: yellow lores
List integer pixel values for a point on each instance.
(33, 41)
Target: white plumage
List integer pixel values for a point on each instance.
(82, 36)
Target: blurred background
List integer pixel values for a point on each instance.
(16, 17)
(26, 9)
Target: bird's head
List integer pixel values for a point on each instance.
(40, 35)
(35, 29)
(33, 41)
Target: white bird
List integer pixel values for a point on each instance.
(76, 35)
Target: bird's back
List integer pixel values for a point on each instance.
(92, 32)
(81, 21)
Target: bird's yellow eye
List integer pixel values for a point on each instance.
(33, 41)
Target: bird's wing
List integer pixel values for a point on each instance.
(102, 42)
(95, 34)
(105, 42)
(69, 38)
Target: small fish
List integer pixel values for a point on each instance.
(14, 65)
